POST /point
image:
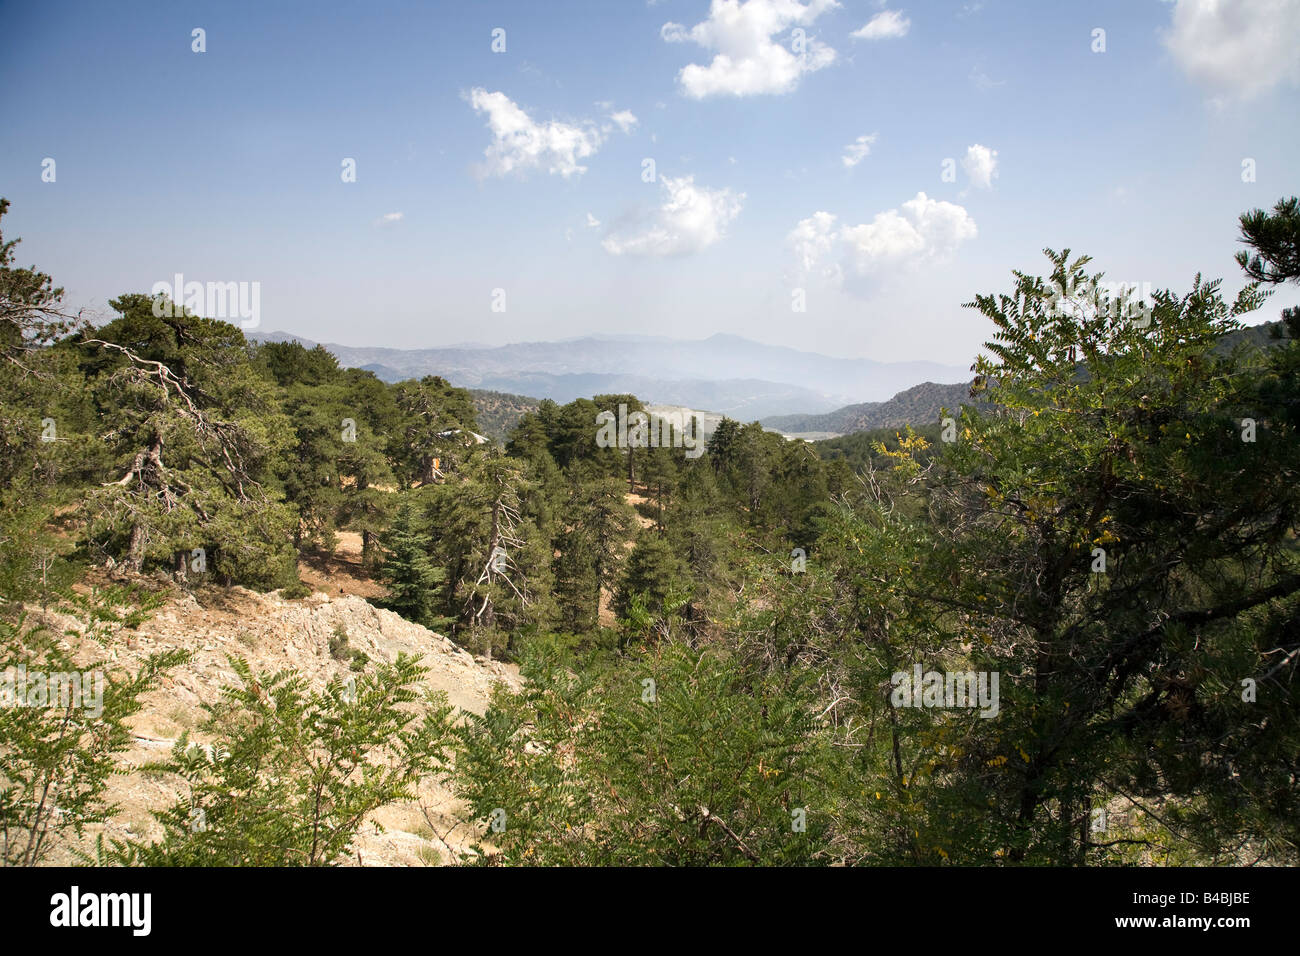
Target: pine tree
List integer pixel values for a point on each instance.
(408, 570)
(654, 573)
(194, 439)
(1274, 242)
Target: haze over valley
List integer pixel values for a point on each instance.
(723, 373)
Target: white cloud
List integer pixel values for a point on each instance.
(981, 165)
(983, 82)
(858, 150)
(748, 60)
(884, 25)
(923, 230)
(390, 217)
(674, 33)
(519, 143)
(592, 222)
(812, 240)
(692, 218)
(1237, 49)
(625, 120)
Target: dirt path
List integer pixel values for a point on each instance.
(342, 572)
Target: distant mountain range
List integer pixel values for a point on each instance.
(791, 391)
(724, 373)
(918, 405)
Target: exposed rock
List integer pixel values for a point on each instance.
(271, 634)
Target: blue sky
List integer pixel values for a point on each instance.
(225, 165)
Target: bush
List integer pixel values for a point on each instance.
(291, 775)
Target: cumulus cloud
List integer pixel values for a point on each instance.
(390, 217)
(812, 241)
(922, 230)
(981, 165)
(1238, 49)
(692, 218)
(592, 222)
(748, 60)
(858, 150)
(519, 143)
(883, 26)
(624, 119)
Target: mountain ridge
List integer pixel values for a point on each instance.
(726, 373)
(914, 406)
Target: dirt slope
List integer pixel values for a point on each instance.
(272, 633)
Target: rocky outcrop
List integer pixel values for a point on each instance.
(272, 633)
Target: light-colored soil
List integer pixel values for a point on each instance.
(342, 572)
(634, 500)
(272, 633)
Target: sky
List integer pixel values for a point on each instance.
(532, 171)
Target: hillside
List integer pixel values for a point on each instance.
(498, 413)
(272, 633)
(1263, 336)
(918, 405)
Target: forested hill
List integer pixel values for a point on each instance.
(499, 412)
(914, 406)
(1263, 336)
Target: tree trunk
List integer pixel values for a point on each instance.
(135, 553)
(151, 462)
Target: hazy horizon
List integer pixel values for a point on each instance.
(589, 336)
